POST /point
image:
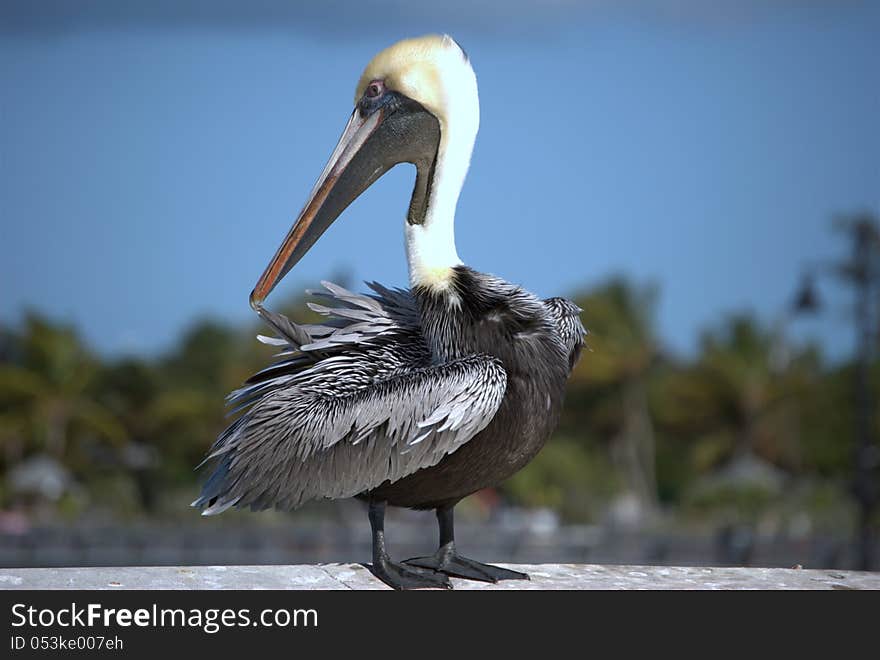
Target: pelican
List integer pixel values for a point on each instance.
(412, 397)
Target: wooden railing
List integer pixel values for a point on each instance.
(357, 576)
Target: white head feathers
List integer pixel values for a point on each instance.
(435, 72)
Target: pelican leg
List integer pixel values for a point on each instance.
(447, 560)
(396, 575)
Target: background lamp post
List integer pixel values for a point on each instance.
(862, 272)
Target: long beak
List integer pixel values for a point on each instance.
(352, 168)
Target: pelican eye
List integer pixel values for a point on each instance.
(374, 89)
(375, 95)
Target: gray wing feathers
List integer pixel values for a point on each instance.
(355, 319)
(356, 405)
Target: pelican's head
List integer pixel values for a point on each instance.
(416, 102)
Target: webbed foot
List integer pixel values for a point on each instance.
(448, 562)
(401, 576)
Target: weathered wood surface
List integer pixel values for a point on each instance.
(356, 576)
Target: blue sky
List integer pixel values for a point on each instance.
(152, 156)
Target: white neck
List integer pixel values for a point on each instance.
(430, 246)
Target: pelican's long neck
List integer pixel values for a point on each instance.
(430, 246)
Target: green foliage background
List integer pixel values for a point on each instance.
(672, 434)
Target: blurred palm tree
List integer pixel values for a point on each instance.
(738, 399)
(635, 421)
(46, 401)
(610, 385)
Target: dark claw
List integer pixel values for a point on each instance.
(400, 576)
(455, 565)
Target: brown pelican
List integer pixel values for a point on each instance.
(414, 398)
